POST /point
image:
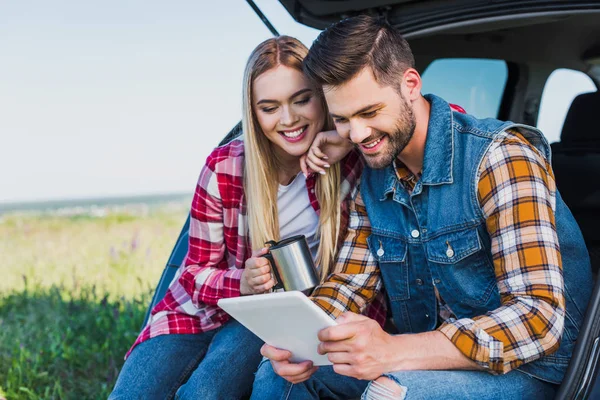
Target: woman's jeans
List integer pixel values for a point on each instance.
(438, 385)
(218, 364)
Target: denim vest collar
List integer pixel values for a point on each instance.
(439, 149)
(439, 145)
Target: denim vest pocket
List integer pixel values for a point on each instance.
(460, 260)
(390, 253)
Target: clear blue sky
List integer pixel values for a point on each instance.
(121, 97)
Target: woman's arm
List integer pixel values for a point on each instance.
(207, 276)
(328, 148)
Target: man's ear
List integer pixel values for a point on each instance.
(411, 84)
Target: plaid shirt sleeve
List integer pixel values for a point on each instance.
(517, 196)
(207, 276)
(355, 280)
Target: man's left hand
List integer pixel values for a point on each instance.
(291, 372)
(357, 347)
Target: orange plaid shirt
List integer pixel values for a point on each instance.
(517, 194)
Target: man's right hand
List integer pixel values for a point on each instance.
(291, 372)
(256, 277)
(327, 149)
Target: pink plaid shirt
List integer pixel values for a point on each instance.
(219, 246)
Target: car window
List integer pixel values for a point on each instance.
(561, 88)
(475, 84)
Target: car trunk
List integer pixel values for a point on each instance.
(411, 16)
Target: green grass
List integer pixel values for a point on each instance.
(73, 295)
(59, 346)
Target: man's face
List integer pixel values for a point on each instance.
(378, 119)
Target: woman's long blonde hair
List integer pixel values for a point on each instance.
(260, 170)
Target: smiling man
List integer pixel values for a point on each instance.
(485, 269)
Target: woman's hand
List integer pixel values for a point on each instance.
(256, 277)
(327, 148)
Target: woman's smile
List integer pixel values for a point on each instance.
(294, 135)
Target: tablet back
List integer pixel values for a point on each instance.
(286, 320)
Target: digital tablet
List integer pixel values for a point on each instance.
(286, 320)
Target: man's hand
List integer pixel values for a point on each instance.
(291, 372)
(357, 347)
(328, 148)
(256, 277)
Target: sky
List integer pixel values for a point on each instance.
(119, 98)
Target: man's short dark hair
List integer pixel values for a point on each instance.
(341, 51)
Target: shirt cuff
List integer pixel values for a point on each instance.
(468, 340)
(332, 311)
(232, 280)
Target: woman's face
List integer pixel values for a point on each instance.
(288, 109)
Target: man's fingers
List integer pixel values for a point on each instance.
(274, 354)
(349, 316)
(340, 358)
(349, 324)
(302, 377)
(338, 332)
(291, 370)
(345, 369)
(333, 347)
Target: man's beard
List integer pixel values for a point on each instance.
(397, 141)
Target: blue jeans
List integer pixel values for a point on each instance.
(218, 364)
(324, 384)
(467, 385)
(464, 385)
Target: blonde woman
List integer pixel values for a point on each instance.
(251, 190)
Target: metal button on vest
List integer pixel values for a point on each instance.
(450, 253)
(415, 233)
(380, 252)
(419, 282)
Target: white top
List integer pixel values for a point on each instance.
(296, 215)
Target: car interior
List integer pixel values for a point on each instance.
(530, 44)
(533, 49)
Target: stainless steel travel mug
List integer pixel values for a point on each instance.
(292, 264)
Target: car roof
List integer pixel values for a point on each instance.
(562, 33)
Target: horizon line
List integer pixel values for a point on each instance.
(92, 198)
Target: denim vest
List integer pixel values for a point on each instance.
(411, 234)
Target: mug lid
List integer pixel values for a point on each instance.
(285, 242)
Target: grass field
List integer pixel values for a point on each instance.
(73, 294)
